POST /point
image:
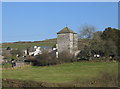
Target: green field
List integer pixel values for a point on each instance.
(62, 73)
(25, 45)
(49, 42)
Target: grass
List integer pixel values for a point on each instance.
(7, 65)
(48, 42)
(67, 72)
(25, 45)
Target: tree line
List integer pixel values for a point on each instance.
(105, 43)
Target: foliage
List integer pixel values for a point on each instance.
(85, 53)
(6, 53)
(11, 54)
(110, 48)
(44, 59)
(87, 31)
(15, 52)
(97, 35)
(110, 33)
(112, 36)
(66, 57)
(103, 43)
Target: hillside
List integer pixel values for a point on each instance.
(24, 45)
(48, 42)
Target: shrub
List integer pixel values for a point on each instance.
(15, 52)
(66, 57)
(84, 55)
(45, 59)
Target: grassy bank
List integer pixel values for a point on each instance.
(25, 45)
(69, 72)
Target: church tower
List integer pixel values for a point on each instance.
(67, 40)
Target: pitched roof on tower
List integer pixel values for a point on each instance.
(66, 30)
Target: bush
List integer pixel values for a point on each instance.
(44, 59)
(84, 55)
(15, 52)
(66, 57)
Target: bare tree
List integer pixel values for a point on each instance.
(87, 31)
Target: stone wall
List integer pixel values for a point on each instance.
(20, 64)
(63, 42)
(67, 42)
(71, 37)
(75, 42)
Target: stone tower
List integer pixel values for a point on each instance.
(67, 40)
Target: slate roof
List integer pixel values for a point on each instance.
(45, 47)
(31, 49)
(66, 30)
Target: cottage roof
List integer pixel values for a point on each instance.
(31, 49)
(66, 30)
(45, 47)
